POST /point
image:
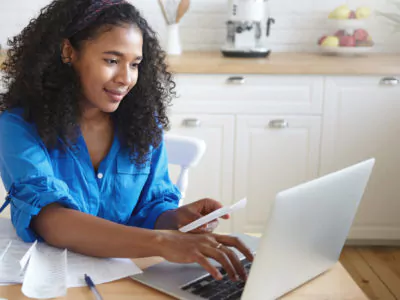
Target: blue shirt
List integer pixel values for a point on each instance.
(120, 192)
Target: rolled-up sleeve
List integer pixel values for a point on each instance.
(159, 193)
(27, 174)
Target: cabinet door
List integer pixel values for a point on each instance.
(272, 154)
(212, 177)
(362, 120)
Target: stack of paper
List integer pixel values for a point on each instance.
(47, 272)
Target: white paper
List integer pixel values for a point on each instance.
(7, 230)
(25, 259)
(3, 252)
(10, 270)
(46, 274)
(100, 270)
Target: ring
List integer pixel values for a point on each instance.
(219, 246)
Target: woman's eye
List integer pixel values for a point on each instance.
(134, 66)
(111, 61)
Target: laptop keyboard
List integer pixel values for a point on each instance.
(224, 289)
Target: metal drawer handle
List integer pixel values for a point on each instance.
(389, 81)
(236, 80)
(278, 124)
(191, 123)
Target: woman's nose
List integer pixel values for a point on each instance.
(125, 76)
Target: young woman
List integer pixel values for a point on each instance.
(81, 140)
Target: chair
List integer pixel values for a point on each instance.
(185, 152)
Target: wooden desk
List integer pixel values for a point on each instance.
(335, 284)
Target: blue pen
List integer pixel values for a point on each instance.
(92, 287)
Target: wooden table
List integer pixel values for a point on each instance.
(334, 284)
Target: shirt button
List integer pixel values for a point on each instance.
(100, 175)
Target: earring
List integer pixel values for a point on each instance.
(66, 60)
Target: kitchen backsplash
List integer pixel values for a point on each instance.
(299, 23)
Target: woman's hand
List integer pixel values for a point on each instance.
(174, 219)
(196, 248)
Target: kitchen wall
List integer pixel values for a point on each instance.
(299, 23)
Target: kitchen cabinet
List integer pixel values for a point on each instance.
(212, 178)
(269, 140)
(273, 153)
(362, 120)
(288, 129)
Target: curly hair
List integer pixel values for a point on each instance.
(37, 80)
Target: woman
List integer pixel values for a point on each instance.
(81, 140)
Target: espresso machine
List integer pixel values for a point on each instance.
(248, 29)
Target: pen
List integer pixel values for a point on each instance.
(92, 287)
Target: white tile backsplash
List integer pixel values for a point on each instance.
(298, 26)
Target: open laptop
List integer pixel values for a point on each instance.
(304, 236)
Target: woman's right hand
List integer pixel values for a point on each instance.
(196, 248)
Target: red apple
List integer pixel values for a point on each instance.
(340, 33)
(352, 15)
(361, 35)
(347, 41)
(321, 40)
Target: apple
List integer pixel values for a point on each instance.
(363, 12)
(347, 41)
(340, 33)
(360, 35)
(330, 41)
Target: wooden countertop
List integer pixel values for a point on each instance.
(333, 284)
(284, 63)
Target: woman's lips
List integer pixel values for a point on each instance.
(115, 96)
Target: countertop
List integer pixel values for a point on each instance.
(284, 63)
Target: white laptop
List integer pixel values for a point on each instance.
(304, 236)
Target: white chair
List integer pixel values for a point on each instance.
(186, 152)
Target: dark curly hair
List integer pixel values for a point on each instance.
(37, 80)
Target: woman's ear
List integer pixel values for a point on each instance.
(67, 52)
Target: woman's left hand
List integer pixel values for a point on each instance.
(174, 219)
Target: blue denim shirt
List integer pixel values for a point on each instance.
(119, 191)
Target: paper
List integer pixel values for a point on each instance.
(101, 270)
(10, 269)
(214, 215)
(46, 274)
(25, 259)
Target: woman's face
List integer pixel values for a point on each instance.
(108, 67)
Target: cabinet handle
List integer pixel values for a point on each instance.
(191, 123)
(235, 80)
(278, 124)
(389, 81)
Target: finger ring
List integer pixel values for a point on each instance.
(219, 246)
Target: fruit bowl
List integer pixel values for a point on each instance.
(345, 51)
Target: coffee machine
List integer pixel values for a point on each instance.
(248, 29)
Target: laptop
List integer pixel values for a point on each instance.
(304, 236)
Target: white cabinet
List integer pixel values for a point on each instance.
(332, 122)
(362, 120)
(273, 153)
(212, 178)
(249, 150)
